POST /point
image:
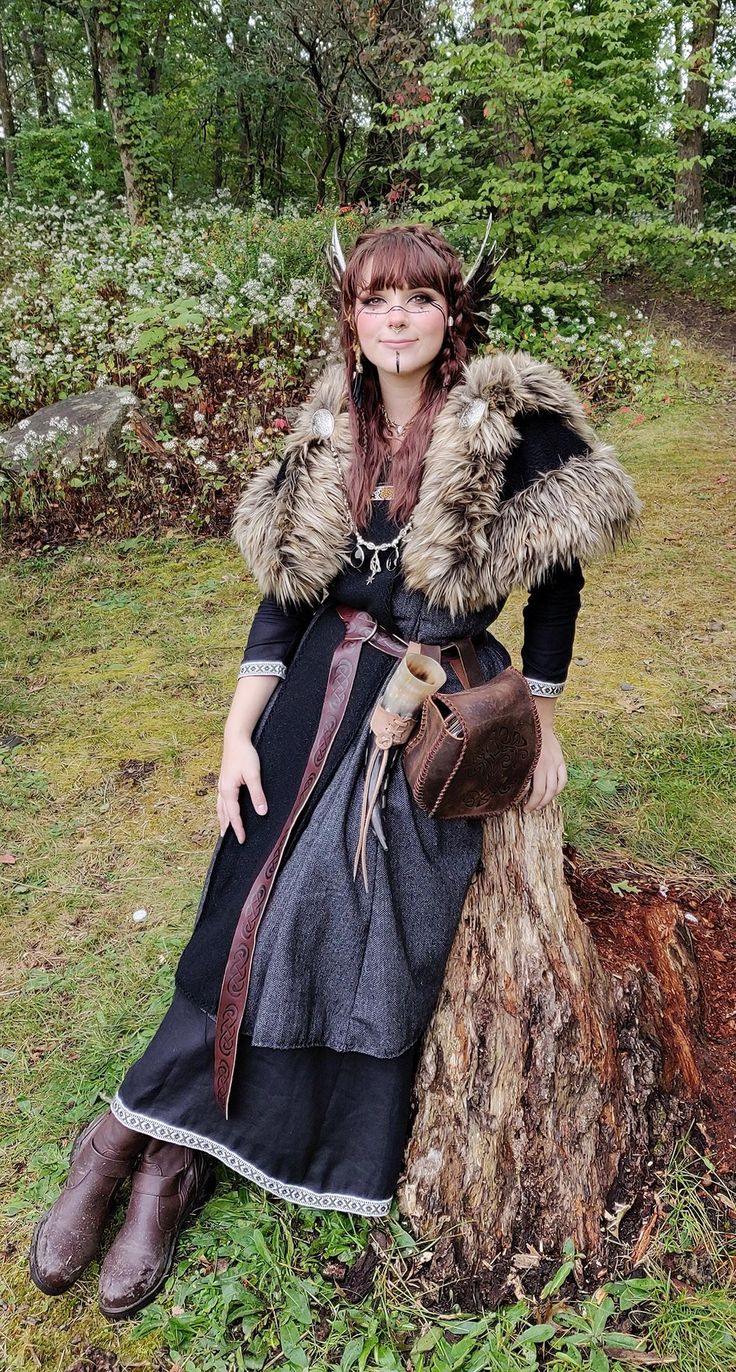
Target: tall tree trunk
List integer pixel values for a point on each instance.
(218, 129)
(504, 130)
(38, 60)
(688, 206)
(277, 172)
(6, 114)
(244, 137)
(238, 56)
(98, 102)
(341, 180)
(320, 175)
(151, 60)
(544, 1075)
(119, 91)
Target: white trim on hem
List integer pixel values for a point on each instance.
(299, 1195)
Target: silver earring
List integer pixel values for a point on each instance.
(450, 322)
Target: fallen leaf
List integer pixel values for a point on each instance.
(633, 705)
(8, 857)
(637, 1358)
(642, 1244)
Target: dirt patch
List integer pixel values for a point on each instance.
(676, 313)
(134, 770)
(630, 917)
(207, 783)
(96, 1360)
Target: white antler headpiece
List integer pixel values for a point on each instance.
(337, 264)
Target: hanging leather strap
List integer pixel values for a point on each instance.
(360, 628)
(467, 665)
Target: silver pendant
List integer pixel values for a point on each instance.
(375, 566)
(472, 414)
(323, 423)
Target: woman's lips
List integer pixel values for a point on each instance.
(398, 342)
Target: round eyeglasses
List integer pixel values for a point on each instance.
(419, 304)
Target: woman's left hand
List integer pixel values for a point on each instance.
(550, 773)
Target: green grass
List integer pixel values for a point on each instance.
(120, 655)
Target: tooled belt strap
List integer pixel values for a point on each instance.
(360, 627)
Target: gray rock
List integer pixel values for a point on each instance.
(83, 425)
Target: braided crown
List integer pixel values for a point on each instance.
(337, 264)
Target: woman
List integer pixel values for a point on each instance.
(417, 490)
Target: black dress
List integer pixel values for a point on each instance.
(343, 983)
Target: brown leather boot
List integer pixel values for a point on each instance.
(67, 1237)
(168, 1184)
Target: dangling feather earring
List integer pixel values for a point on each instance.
(357, 383)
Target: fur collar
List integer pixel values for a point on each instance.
(466, 549)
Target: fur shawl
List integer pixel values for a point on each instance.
(467, 548)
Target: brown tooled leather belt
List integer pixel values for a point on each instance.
(360, 628)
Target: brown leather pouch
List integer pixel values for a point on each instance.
(474, 751)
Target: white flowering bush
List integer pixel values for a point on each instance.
(210, 316)
(609, 357)
(83, 301)
(148, 485)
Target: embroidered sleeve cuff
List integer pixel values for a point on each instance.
(262, 668)
(544, 688)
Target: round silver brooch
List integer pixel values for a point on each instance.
(472, 414)
(323, 423)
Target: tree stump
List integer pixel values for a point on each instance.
(545, 1077)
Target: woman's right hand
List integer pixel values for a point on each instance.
(241, 766)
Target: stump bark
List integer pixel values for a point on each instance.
(545, 1076)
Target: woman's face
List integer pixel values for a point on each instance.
(401, 330)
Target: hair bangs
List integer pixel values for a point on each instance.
(397, 261)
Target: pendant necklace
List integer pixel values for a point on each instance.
(399, 429)
(364, 546)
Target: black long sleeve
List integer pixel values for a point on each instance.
(553, 605)
(550, 616)
(274, 635)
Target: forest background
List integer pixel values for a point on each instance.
(172, 169)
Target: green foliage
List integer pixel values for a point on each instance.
(77, 287)
(252, 1288)
(551, 115)
(57, 164)
(212, 315)
(169, 327)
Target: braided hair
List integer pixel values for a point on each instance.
(407, 256)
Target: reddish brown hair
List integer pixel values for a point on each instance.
(400, 258)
